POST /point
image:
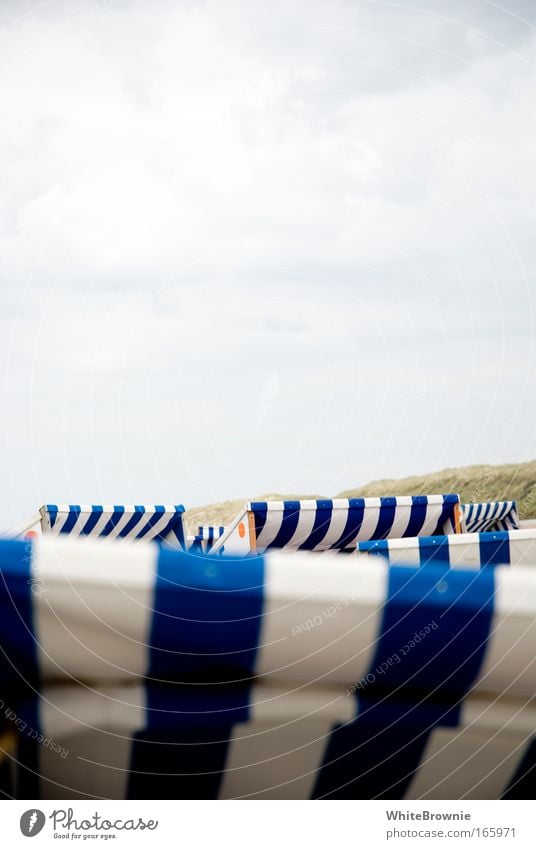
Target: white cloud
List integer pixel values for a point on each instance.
(333, 198)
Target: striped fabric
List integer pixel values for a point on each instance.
(210, 532)
(275, 754)
(272, 677)
(338, 524)
(136, 522)
(508, 548)
(491, 516)
(205, 538)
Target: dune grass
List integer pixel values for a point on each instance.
(473, 483)
(223, 512)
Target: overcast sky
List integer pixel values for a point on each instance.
(259, 246)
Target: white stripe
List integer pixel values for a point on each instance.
(274, 520)
(407, 554)
(466, 763)
(522, 548)
(304, 527)
(464, 550)
(62, 519)
(401, 521)
(278, 753)
(370, 522)
(339, 517)
(158, 526)
(92, 601)
(91, 740)
(476, 760)
(102, 521)
(118, 526)
(344, 503)
(430, 521)
(321, 618)
(273, 762)
(66, 710)
(510, 663)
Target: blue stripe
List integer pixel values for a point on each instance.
(417, 680)
(7, 790)
(52, 510)
(417, 517)
(72, 518)
(462, 602)
(486, 514)
(502, 518)
(386, 518)
(96, 513)
(434, 550)
(18, 657)
(173, 526)
(372, 759)
(356, 513)
(202, 650)
(512, 515)
(209, 534)
(494, 548)
(113, 521)
(523, 782)
(478, 515)
(19, 670)
(157, 515)
(289, 523)
(447, 514)
(260, 514)
(206, 618)
(511, 520)
(378, 547)
(135, 519)
(184, 763)
(490, 516)
(324, 512)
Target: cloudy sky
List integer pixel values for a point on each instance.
(250, 247)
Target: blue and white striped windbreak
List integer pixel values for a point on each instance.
(508, 548)
(131, 522)
(337, 524)
(205, 537)
(491, 516)
(136, 671)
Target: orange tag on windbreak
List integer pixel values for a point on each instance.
(241, 530)
(31, 535)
